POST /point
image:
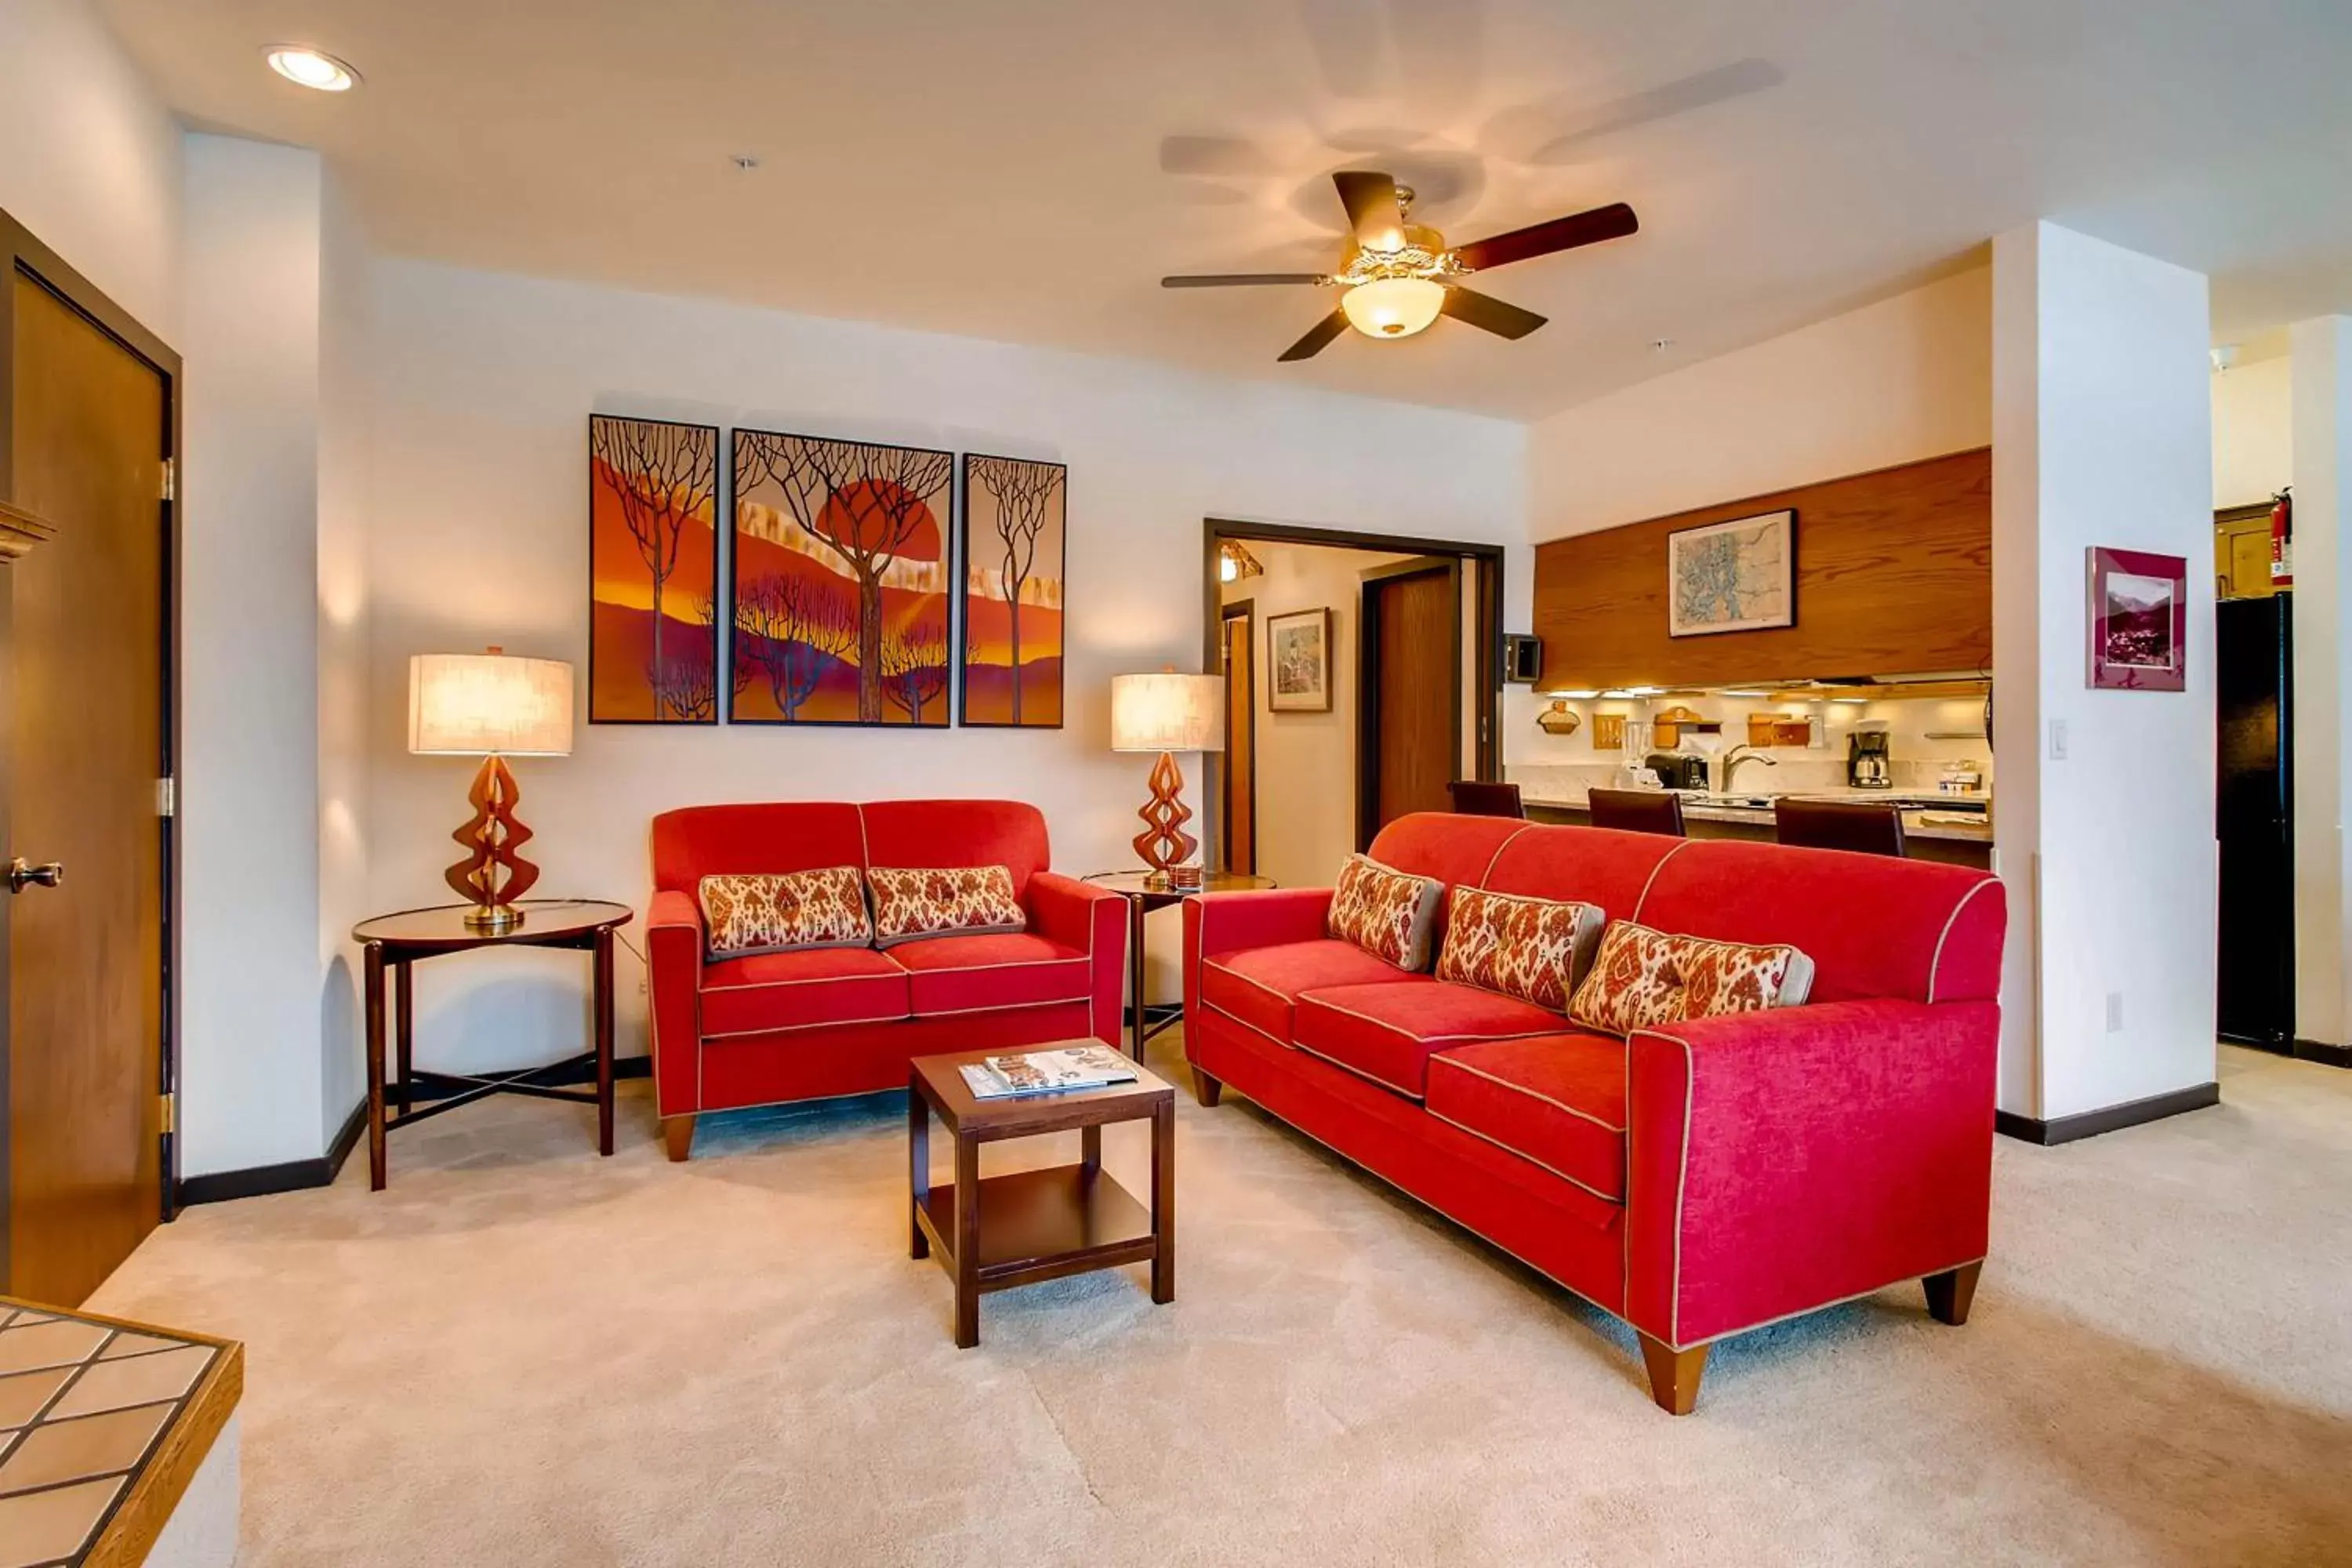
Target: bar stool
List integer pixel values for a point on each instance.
(1639, 811)
(1864, 827)
(1479, 798)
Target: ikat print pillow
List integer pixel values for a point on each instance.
(1643, 978)
(777, 913)
(964, 901)
(1384, 911)
(1533, 949)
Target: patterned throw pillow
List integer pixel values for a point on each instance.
(765, 913)
(1386, 912)
(1645, 977)
(1533, 949)
(911, 902)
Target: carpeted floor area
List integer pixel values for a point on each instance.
(522, 1354)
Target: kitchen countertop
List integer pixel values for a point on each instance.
(1927, 823)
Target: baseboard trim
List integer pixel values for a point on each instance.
(2111, 1119)
(2320, 1051)
(294, 1175)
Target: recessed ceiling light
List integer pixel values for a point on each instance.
(307, 66)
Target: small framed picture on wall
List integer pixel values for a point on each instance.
(1299, 662)
(2138, 621)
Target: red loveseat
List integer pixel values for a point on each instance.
(1704, 1178)
(805, 1024)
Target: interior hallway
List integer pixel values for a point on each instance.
(2155, 1372)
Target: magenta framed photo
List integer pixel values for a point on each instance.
(2138, 621)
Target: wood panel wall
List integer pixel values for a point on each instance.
(1893, 577)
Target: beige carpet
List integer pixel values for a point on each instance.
(522, 1354)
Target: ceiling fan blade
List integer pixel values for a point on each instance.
(1372, 212)
(1239, 280)
(1490, 314)
(1614, 221)
(1317, 338)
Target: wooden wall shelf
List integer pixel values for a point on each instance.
(1893, 574)
(20, 531)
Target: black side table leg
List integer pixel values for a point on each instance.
(603, 987)
(404, 1026)
(1136, 970)
(373, 966)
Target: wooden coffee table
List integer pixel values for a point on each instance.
(1031, 1226)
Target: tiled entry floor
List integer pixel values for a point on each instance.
(101, 1423)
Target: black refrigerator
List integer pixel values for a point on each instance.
(2255, 642)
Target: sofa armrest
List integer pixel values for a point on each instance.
(673, 947)
(1094, 920)
(1785, 1160)
(1262, 917)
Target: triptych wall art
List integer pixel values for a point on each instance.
(845, 562)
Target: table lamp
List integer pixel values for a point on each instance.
(494, 706)
(1166, 714)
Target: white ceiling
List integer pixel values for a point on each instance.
(1025, 170)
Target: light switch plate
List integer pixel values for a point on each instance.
(2057, 740)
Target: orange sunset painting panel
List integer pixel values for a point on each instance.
(1015, 514)
(653, 647)
(841, 577)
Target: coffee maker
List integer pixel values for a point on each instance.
(1866, 761)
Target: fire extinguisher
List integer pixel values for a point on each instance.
(2282, 541)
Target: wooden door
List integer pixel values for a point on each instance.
(1238, 820)
(86, 737)
(1409, 716)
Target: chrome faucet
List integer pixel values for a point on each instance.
(1737, 756)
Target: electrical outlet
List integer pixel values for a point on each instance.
(2115, 1012)
(2057, 740)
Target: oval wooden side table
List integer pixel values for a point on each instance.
(396, 942)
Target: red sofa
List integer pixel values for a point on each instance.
(1705, 1178)
(778, 1027)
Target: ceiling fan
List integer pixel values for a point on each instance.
(1400, 276)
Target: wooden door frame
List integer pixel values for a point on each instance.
(1237, 610)
(1368, 679)
(23, 255)
(1485, 560)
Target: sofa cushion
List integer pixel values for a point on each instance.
(1259, 986)
(1556, 1100)
(801, 990)
(1388, 1033)
(765, 912)
(1389, 914)
(1645, 977)
(911, 902)
(1533, 949)
(975, 974)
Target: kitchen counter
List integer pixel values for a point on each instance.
(1939, 835)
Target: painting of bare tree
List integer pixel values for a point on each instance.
(653, 495)
(841, 572)
(1014, 516)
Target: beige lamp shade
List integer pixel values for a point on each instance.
(475, 704)
(1167, 712)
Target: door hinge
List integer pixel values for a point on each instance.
(171, 1103)
(167, 797)
(170, 478)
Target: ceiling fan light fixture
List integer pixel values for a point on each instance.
(1393, 307)
(310, 67)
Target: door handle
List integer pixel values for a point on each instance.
(24, 874)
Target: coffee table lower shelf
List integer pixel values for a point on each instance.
(1043, 1224)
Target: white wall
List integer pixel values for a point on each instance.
(478, 535)
(1904, 379)
(2103, 436)
(2253, 430)
(1307, 762)
(89, 160)
(2322, 437)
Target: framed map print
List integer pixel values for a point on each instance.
(1735, 576)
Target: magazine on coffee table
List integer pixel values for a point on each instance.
(1047, 1072)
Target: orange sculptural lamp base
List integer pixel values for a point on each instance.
(492, 876)
(1165, 843)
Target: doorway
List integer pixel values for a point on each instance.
(88, 574)
(1409, 725)
(1287, 792)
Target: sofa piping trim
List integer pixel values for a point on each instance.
(1935, 965)
(1403, 1033)
(1823, 1307)
(1416, 1096)
(1495, 858)
(803, 1029)
(1682, 1178)
(1522, 1089)
(1652, 879)
(1209, 1006)
(1530, 1159)
(1287, 998)
(809, 980)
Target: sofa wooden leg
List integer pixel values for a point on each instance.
(1949, 1293)
(1673, 1374)
(677, 1135)
(1206, 1089)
